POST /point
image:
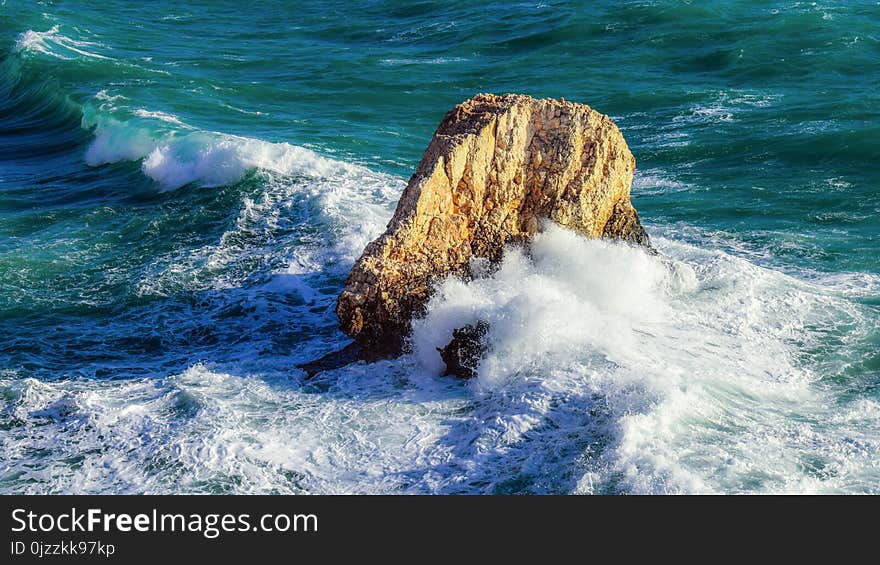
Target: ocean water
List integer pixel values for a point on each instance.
(184, 186)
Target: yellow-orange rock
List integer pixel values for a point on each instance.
(497, 167)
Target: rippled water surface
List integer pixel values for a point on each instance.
(184, 185)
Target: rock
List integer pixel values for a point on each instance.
(463, 354)
(496, 167)
(334, 360)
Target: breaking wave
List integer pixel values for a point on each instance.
(609, 370)
(152, 335)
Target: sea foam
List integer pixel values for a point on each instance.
(608, 370)
(51, 42)
(175, 154)
(682, 357)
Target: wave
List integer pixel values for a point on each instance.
(290, 232)
(171, 152)
(37, 118)
(174, 153)
(609, 370)
(177, 157)
(349, 203)
(697, 366)
(51, 42)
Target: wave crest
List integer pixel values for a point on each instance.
(51, 42)
(174, 154)
(680, 372)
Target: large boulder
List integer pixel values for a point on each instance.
(497, 167)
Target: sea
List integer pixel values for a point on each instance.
(185, 185)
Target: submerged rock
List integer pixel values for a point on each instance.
(333, 360)
(463, 354)
(496, 168)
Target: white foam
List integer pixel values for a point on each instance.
(103, 96)
(657, 181)
(598, 293)
(175, 154)
(340, 206)
(242, 111)
(163, 116)
(431, 61)
(726, 106)
(51, 42)
(115, 141)
(208, 431)
(696, 363)
(609, 370)
(708, 114)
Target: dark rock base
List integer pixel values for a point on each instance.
(463, 354)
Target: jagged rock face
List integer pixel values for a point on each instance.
(463, 354)
(496, 167)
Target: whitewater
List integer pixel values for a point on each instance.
(172, 244)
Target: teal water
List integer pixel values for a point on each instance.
(184, 185)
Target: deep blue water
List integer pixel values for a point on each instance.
(184, 185)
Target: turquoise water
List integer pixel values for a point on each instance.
(184, 185)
